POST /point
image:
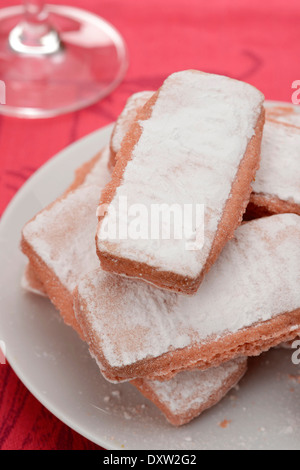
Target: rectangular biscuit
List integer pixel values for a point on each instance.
(196, 141)
(187, 395)
(248, 303)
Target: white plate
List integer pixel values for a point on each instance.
(56, 367)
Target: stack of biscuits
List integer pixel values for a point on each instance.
(179, 316)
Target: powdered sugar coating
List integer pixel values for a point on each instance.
(99, 175)
(289, 118)
(279, 173)
(63, 234)
(247, 285)
(124, 121)
(286, 115)
(200, 126)
(190, 390)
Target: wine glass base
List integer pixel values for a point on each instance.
(90, 64)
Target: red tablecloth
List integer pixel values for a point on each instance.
(256, 41)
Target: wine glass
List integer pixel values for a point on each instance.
(56, 59)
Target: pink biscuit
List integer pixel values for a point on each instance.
(187, 395)
(197, 140)
(248, 303)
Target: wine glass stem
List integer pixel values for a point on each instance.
(34, 34)
(35, 11)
